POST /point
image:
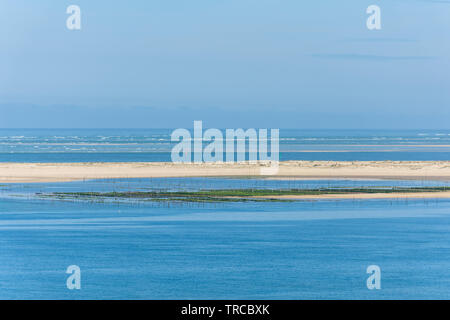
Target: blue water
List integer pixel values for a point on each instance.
(298, 250)
(200, 183)
(148, 250)
(126, 145)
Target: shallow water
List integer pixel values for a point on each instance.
(192, 184)
(299, 250)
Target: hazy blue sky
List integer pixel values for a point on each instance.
(230, 63)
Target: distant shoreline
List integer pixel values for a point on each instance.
(389, 170)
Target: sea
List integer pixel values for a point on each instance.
(131, 145)
(235, 250)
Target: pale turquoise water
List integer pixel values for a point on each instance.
(125, 145)
(301, 250)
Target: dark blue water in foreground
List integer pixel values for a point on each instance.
(128, 145)
(298, 250)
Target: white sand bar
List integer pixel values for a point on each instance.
(54, 172)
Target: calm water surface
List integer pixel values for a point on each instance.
(299, 250)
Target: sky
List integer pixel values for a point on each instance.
(230, 63)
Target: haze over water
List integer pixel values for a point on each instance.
(232, 64)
